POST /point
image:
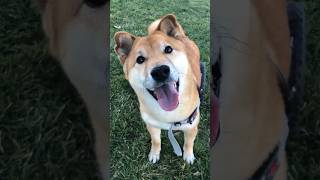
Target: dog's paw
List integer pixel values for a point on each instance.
(189, 158)
(154, 157)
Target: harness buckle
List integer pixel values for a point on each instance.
(177, 123)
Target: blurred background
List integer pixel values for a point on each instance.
(304, 139)
(44, 128)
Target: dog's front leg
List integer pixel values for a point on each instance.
(189, 137)
(155, 134)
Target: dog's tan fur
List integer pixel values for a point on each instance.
(127, 47)
(78, 39)
(254, 38)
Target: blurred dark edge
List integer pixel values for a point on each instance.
(108, 116)
(72, 100)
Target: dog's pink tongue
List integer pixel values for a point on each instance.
(167, 96)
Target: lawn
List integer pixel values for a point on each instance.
(304, 140)
(44, 128)
(130, 139)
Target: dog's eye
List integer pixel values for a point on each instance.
(168, 49)
(140, 59)
(95, 3)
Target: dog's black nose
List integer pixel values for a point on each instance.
(160, 73)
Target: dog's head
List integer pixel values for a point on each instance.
(158, 65)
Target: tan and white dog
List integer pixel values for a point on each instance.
(164, 71)
(77, 32)
(254, 41)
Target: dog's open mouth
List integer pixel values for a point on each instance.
(167, 95)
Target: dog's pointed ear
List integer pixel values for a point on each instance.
(170, 26)
(124, 42)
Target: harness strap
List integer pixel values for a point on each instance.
(176, 147)
(174, 143)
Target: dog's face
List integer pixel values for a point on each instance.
(156, 65)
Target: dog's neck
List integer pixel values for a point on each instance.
(251, 108)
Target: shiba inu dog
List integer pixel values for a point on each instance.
(163, 69)
(77, 32)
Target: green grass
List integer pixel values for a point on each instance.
(304, 140)
(44, 129)
(130, 139)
